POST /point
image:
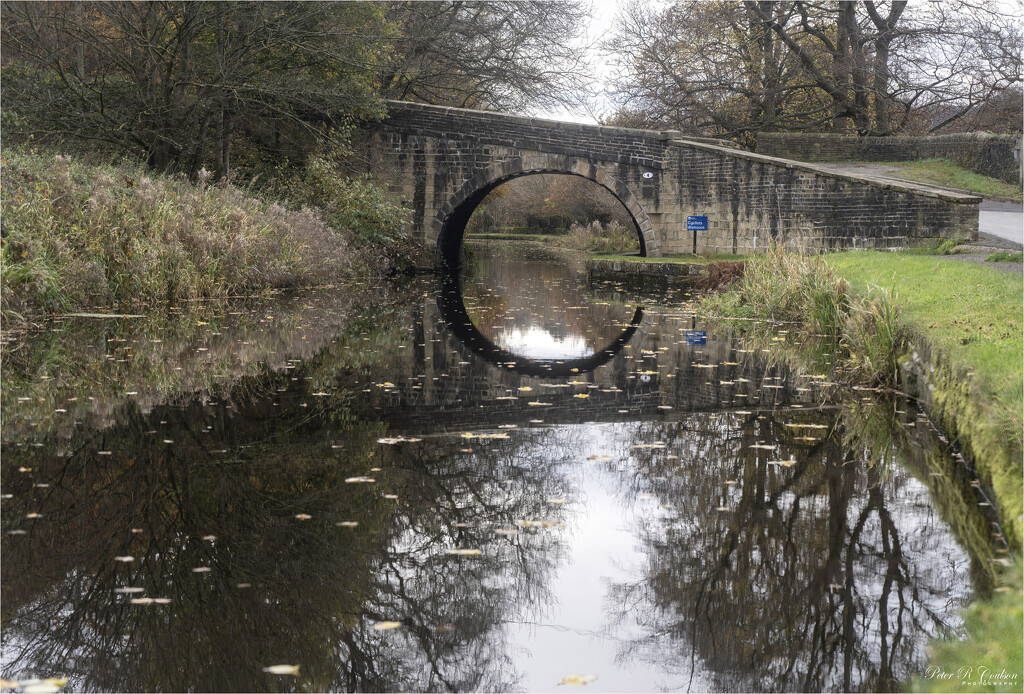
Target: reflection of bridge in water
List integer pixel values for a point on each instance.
(458, 379)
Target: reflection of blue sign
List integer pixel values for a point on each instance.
(696, 337)
(696, 223)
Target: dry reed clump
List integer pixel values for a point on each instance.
(720, 275)
(798, 288)
(598, 238)
(76, 235)
(795, 288)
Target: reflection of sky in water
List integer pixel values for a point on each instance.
(537, 343)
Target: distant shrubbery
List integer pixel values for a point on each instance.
(77, 235)
(600, 238)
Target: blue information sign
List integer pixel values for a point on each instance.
(696, 337)
(696, 223)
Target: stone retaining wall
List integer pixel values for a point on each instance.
(641, 273)
(950, 398)
(983, 153)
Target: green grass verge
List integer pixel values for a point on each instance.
(1005, 257)
(942, 172)
(994, 642)
(970, 312)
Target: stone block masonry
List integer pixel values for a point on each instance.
(446, 160)
(997, 156)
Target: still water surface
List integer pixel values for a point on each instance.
(492, 484)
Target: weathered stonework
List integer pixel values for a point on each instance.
(950, 397)
(634, 273)
(446, 160)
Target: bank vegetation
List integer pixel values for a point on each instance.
(79, 237)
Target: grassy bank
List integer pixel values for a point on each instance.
(879, 304)
(942, 172)
(884, 305)
(78, 236)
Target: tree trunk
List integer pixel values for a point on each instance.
(880, 84)
(842, 65)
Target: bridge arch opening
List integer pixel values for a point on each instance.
(449, 227)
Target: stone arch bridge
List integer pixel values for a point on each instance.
(443, 162)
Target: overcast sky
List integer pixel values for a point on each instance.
(602, 17)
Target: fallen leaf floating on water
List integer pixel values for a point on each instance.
(397, 439)
(282, 670)
(578, 680)
(356, 480)
(582, 395)
(464, 552)
(386, 626)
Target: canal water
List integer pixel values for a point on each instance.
(507, 481)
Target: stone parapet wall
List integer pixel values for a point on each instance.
(606, 143)
(983, 153)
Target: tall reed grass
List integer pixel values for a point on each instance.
(597, 238)
(803, 289)
(76, 236)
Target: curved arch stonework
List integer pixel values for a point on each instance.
(475, 188)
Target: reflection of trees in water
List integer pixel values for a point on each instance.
(316, 588)
(820, 575)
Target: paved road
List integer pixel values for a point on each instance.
(1003, 220)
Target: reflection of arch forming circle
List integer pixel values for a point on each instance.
(448, 225)
(453, 312)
